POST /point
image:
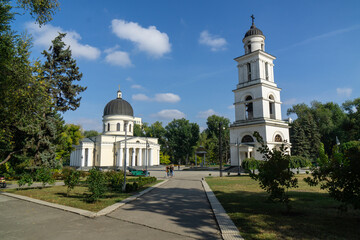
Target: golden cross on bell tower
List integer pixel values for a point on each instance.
(252, 17)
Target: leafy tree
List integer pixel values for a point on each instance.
(212, 133)
(158, 131)
(139, 130)
(93, 133)
(69, 136)
(44, 176)
(25, 179)
(164, 158)
(339, 174)
(181, 137)
(274, 174)
(96, 184)
(351, 124)
(41, 10)
(71, 179)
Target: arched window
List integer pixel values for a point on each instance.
(108, 127)
(249, 71)
(129, 127)
(278, 138)
(249, 108)
(118, 127)
(247, 139)
(249, 48)
(272, 107)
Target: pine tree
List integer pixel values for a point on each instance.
(59, 72)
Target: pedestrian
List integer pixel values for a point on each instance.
(167, 171)
(172, 170)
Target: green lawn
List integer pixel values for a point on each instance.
(57, 194)
(314, 216)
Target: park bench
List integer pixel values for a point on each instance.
(136, 172)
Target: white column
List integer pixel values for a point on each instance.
(158, 157)
(127, 157)
(140, 161)
(82, 157)
(150, 157)
(120, 153)
(133, 157)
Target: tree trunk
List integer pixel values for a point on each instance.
(8, 157)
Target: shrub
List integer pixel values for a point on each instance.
(299, 162)
(44, 176)
(274, 174)
(26, 178)
(250, 164)
(135, 186)
(115, 180)
(339, 174)
(71, 179)
(96, 184)
(128, 187)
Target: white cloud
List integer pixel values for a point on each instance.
(206, 114)
(136, 86)
(216, 43)
(44, 35)
(160, 97)
(344, 92)
(290, 101)
(129, 79)
(118, 58)
(231, 106)
(169, 114)
(167, 97)
(149, 39)
(140, 97)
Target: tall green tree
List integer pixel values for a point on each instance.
(94, 133)
(59, 72)
(351, 124)
(213, 134)
(181, 137)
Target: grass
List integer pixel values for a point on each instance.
(314, 215)
(77, 197)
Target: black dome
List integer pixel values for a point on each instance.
(253, 31)
(118, 107)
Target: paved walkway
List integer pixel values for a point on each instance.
(177, 209)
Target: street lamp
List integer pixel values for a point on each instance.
(238, 155)
(220, 148)
(116, 160)
(124, 185)
(146, 157)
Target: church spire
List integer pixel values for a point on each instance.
(119, 93)
(253, 18)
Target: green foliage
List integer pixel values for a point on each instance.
(44, 176)
(351, 124)
(164, 158)
(96, 184)
(26, 178)
(182, 137)
(275, 176)
(339, 174)
(70, 136)
(41, 10)
(93, 133)
(115, 180)
(71, 179)
(212, 133)
(299, 162)
(251, 164)
(59, 72)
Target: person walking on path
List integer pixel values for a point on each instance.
(167, 171)
(172, 170)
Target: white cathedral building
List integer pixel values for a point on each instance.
(108, 149)
(257, 101)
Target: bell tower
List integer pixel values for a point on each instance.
(257, 101)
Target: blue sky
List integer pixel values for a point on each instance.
(175, 58)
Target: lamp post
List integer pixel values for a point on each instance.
(116, 160)
(220, 148)
(238, 155)
(146, 158)
(124, 184)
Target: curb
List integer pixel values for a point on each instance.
(82, 212)
(227, 228)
